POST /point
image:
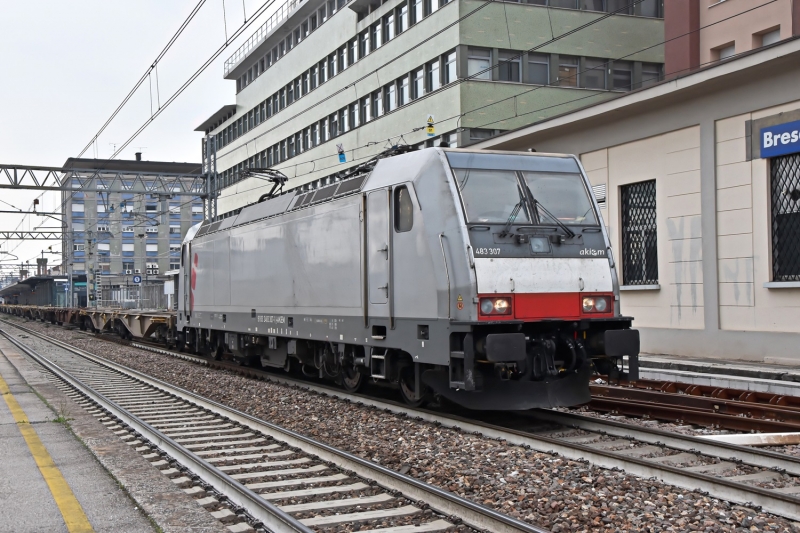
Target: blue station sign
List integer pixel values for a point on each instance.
(781, 139)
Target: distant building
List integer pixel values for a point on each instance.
(699, 32)
(321, 89)
(120, 235)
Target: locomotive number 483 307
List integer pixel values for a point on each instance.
(487, 251)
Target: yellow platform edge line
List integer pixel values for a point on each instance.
(74, 517)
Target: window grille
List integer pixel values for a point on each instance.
(785, 191)
(639, 243)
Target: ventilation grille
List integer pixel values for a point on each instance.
(600, 195)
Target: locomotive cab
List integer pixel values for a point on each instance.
(545, 307)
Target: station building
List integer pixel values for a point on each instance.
(366, 74)
(698, 178)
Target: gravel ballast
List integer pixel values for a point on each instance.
(544, 489)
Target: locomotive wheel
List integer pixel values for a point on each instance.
(408, 388)
(352, 379)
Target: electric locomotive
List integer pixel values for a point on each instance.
(485, 278)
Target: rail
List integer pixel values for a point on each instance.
(443, 501)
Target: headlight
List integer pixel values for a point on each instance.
(495, 306)
(596, 304)
(501, 306)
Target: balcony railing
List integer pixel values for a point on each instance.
(261, 33)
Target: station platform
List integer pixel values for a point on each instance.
(49, 481)
(76, 475)
(778, 376)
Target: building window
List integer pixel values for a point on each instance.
(785, 192)
(402, 17)
(352, 51)
(377, 104)
(725, 52)
(594, 74)
(639, 242)
(591, 5)
(388, 27)
(402, 91)
(539, 69)
(390, 97)
(450, 67)
(622, 7)
(363, 44)
(622, 76)
(510, 68)
(477, 134)
(432, 75)
(567, 71)
(770, 37)
(416, 11)
(418, 83)
(366, 110)
(651, 73)
(478, 62)
(375, 36)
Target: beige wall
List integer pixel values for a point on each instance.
(673, 160)
(744, 233)
(741, 30)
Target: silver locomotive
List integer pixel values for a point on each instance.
(485, 278)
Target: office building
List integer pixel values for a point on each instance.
(118, 235)
(327, 76)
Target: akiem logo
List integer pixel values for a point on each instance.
(781, 139)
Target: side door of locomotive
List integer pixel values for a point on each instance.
(378, 253)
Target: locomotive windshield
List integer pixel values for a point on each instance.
(499, 188)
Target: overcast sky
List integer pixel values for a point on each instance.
(65, 67)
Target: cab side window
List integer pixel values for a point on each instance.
(403, 210)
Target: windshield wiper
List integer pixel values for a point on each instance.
(538, 205)
(511, 218)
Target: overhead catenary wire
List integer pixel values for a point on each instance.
(196, 74)
(146, 74)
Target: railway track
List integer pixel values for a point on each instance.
(270, 477)
(735, 473)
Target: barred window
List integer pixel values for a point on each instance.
(785, 192)
(639, 243)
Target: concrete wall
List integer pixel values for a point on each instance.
(673, 161)
(744, 235)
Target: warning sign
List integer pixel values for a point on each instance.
(429, 129)
(460, 299)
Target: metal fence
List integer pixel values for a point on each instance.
(147, 295)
